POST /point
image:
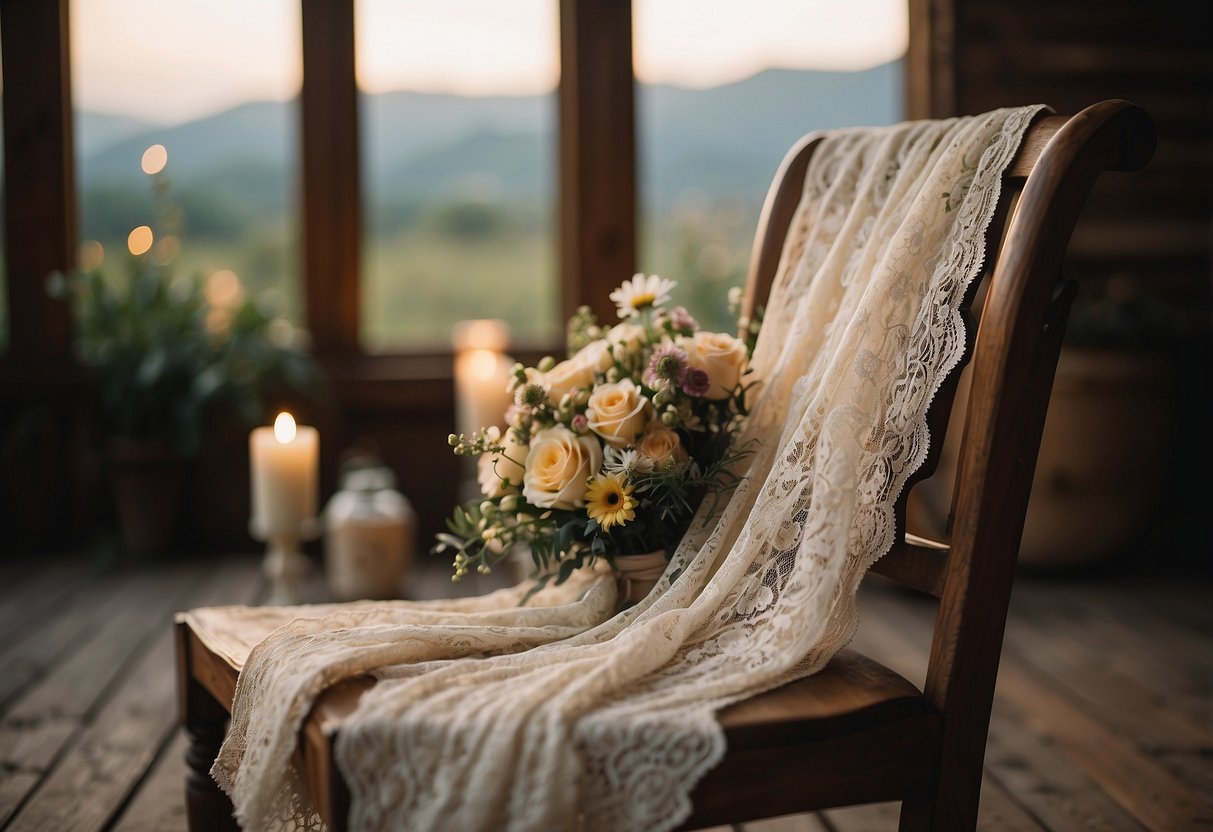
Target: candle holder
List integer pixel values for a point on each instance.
(285, 565)
(283, 469)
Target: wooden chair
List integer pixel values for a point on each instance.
(857, 732)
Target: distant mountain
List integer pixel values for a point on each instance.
(399, 128)
(723, 139)
(97, 131)
(731, 137)
(254, 131)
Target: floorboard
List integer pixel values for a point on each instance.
(157, 805)
(30, 655)
(787, 823)
(111, 754)
(28, 598)
(1103, 716)
(1116, 762)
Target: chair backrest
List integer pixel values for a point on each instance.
(1013, 351)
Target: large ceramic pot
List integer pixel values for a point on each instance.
(145, 479)
(1096, 485)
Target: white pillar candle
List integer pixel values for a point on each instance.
(482, 375)
(283, 463)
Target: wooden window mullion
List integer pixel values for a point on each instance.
(331, 245)
(597, 124)
(39, 165)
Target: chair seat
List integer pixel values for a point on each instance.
(851, 690)
(870, 728)
(854, 710)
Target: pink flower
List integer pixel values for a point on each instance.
(666, 366)
(580, 423)
(683, 321)
(696, 382)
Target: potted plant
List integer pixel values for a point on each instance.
(1096, 488)
(165, 354)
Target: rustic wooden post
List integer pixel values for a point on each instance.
(332, 216)
(930, 80)
(39, 385)
(597, 153)
(39, 173)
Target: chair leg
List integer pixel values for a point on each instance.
(947, 810)
(207, 807)
(915, 815)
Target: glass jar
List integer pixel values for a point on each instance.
(369, 536)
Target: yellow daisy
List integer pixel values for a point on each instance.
(609, 500)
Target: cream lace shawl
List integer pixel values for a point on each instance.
(558, 715)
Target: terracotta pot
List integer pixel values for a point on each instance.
(1096, 485)
(145, 479)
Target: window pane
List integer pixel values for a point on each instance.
(725, 88)
(458, 166)
(215, 82)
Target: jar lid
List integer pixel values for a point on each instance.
(369, 479)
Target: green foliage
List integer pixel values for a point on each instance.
(109, 210)
(703, 241)
(213, 211)
(162, 356)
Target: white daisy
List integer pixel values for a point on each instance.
(625, 461)
(641, 292)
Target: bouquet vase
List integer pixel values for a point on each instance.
(636, 575)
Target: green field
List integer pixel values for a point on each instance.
(459, 262)
(419, 283)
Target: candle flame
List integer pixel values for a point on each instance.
(486, 334)
(284, 428)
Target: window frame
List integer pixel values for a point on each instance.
(597, 225)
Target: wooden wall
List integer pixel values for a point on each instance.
(1150, 233)
(998, 53)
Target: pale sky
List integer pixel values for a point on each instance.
(172, 60)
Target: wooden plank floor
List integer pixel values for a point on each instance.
(1103, 718)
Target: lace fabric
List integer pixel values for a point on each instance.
(560, 715)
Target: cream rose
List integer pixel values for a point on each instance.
(617, 412)
(558, 466)
(565, 377)
(577, 372)
(596, 355)
(501, 474)
(627, 333)
(659, 444)
(721, 356)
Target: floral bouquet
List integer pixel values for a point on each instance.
(608, 453)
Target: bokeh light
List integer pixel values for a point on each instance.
(154, 159)
(90, 255)
(139, 241)
(223, 289)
